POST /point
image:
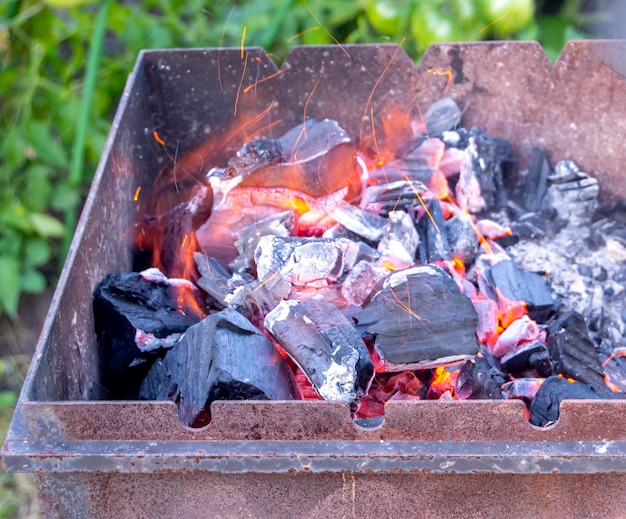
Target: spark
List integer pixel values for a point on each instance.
(380, 78)
(381, 163)
(243, 39)
(506, 13)
(423, 204)
(136, 196)
(316, 28)
(326, 30)
(157, 138)
(243, 74)
(262, 80)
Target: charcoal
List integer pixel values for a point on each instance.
(247, 238)
(399, 242)
(462, 239)
(478, 381)
(223, 357)
(522, 388)
(361, 281)
(367, 225)
(544, 409)
(535, 184)
(415, 163)
(325, 345)
(315, 262)
(574, 194)
(431, 227)
(572, 351)
(391, 196)
(302, 160)
(615, 368)
(479, 188)
(420, 317)
(214, 278)
(255, 299)
(137, 316)
(443, 115)
(529, 356)
(520, 285)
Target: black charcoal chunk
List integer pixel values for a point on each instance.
(519, 285)
(461, 235)
(480, 186)
(327, 347)
(443, 115)
(392, 195)
(137, 315)
(478, 381)
(223, 357)
(535, 184)
(573, 352)
(399, 242)
(531, 355)
(214, 278)
(308, 261)
(420, 317)
(574, 194)
(247, 238)
(308, 153)
(544, 409)
(431, 227)
(362, 223)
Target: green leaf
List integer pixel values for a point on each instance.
(64, 198)
(37, 186)
(46, 146)
(46, 226)
(13, 148)
(33, 281)
(37, 252)
(10, 283)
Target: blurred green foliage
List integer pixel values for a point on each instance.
(43, 55)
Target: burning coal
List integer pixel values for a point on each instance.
(316, 266)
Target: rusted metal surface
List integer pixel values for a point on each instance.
(134, 459)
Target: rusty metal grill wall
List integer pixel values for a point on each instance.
(96, 458)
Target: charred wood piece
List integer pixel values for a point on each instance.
(574, 194)
(431, 226)
(420, 319)
(522, 388)
(535, 185)
(573, 352)
(397, 195)
(399, 242)
(478, 380)
(479, 188)
(325, 345)
(247, 239)
(544, 409)
(137, 316)
(443, 115)
(529, 356)
(462, 239)
(308, 261)
(223, 357)
(520, 285)
(300, 160)
(362, 223)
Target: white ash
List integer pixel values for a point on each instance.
(586, 268)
